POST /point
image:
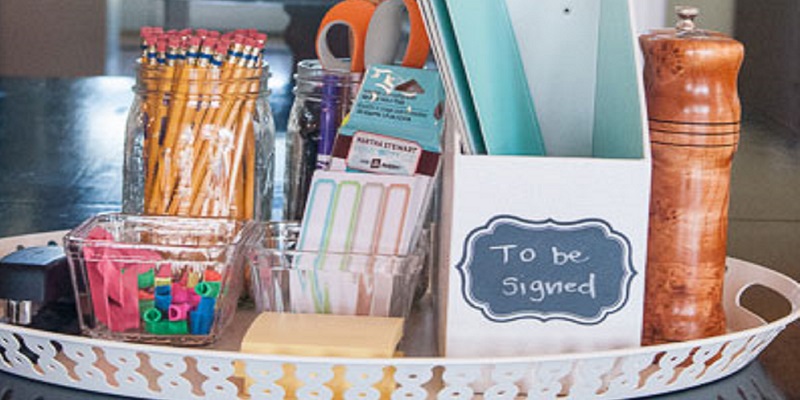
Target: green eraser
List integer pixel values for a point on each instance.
(208, 289)
(178, 327)
(147, 279)
(157, 328)
(152, 315)
(145, 305)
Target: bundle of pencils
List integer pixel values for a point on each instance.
(200, 99)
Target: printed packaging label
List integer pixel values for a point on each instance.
(375, 153)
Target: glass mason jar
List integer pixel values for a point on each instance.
(200, 143)
(312, 84)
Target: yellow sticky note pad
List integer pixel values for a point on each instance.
(322, 335)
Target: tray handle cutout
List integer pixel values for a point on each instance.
(742, 275)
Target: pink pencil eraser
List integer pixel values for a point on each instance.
(213, 34)
(222, 46)
(194, 298)
(161, 45)
(145, 31)
(210, 43)
(174, 41)
(194, 41)
(178, 312)
(239, 38)
(180, 294)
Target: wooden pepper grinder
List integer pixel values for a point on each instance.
(691, 86)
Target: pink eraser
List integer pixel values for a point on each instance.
(112, 278)
(98, 233)
(129, 279)
(125, 315)
(178, 312)
(97, 290)
(180, 294)
(122, 318)
(164, 271)
(194, 299)
(210, 43)
(222, 46)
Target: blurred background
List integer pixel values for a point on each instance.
(54, 38)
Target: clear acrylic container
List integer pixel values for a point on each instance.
(150, 279)
(200, 142)
(287, 280)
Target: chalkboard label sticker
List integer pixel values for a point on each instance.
(514, 269)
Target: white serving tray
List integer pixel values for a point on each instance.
(158, 372)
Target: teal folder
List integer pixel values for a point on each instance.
(495, 76)
(448, 57)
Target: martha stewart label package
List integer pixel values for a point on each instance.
(395, 126)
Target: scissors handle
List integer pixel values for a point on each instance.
(375, 31)
(356, 14)
(418, 44)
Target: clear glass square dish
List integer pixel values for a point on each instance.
(285, 279)
(150, 279)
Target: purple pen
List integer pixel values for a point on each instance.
(330, 117)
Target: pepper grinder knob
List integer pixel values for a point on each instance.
(686, 16)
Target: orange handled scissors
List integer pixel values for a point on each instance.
(375, 32)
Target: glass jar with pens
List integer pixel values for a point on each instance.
(200, 135)
(322, 99)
